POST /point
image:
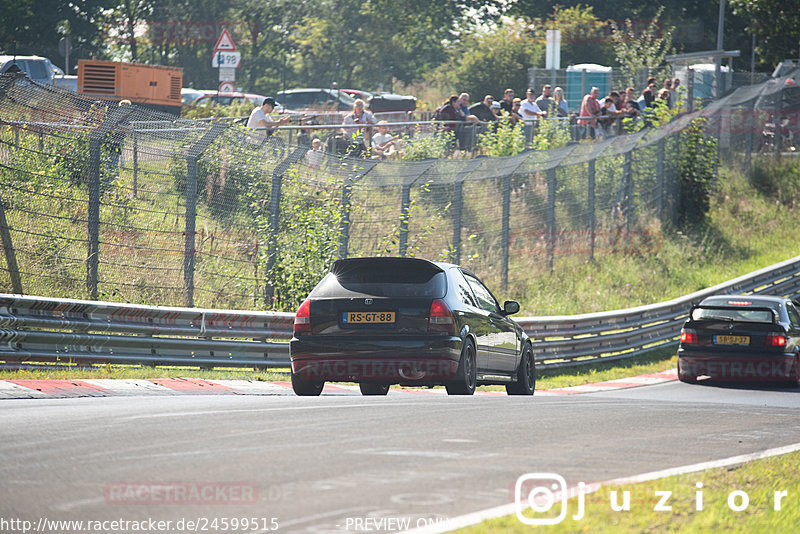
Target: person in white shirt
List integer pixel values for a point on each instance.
(530, 113)
(315, 156)
(383, 143)
(259, 117)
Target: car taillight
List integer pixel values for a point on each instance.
(441, 318)
(688, 337)
(302, 319)
(776, 340)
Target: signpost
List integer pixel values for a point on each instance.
(227, 59)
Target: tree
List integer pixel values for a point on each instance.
(776, 25)
(640, 52)
(487, 63)
(34, 27)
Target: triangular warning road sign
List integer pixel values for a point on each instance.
(225, 43)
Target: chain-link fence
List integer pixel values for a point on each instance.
(125, 204)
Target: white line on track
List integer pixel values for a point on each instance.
(474, 518)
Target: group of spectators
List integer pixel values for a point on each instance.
(599, 117)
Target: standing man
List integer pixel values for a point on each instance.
(590, 108)
(530, 113)
(259, 118)
(507, 103)
(544, 101)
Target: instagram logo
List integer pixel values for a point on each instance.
(535, 495)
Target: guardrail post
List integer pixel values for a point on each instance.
(551, 217)
(192, 156)
(347, 189)
(505, 229)
(275, 218)
(10, 253)
(114, 117)
(590, 205)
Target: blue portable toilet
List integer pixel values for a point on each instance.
(596, 76)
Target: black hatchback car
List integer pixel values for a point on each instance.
(752, 338)
(408, 321)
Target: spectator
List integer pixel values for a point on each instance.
(545, 100)
(606, 119)
(530, 113)
(507, 103)
(358, 137)
(668, 87)
(466, 132)
(629, 104)
(449, 112)
(483, 110)
(259, 119)
(516, 106)
(590, 109)
(677, 91)
(383, 143)
(559, 104)
(663, 98)
(315, 156)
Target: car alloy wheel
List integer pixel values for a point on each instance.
(467, 373)
(526, 375)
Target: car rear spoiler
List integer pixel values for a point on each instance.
(737, 308)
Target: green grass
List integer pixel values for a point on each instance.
(759, 479)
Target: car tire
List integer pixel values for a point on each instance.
(526, 375)
(372, 388)
(306, 388)
(685, 376)
(467, 373)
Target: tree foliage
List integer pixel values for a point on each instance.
(776, 25)
(639, 51)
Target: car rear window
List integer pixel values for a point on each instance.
(755, 315)
(382, 277)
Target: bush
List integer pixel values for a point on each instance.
(697, 169)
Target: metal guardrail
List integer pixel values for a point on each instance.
(39, 329)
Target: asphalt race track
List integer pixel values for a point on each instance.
(340, 462)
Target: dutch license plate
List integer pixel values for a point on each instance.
(368, 317)
(732, 340)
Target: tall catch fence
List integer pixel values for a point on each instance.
(121, 203)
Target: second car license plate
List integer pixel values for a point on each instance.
(732, 340)
(368, 317)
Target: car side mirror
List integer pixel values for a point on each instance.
(510, 307)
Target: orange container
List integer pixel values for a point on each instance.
(155, 86)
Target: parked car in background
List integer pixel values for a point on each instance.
(227, 99)
(321, 100)
(741, 338)
(355, 93)
(383, 321)
(39, 69)
(384, 102)
(189, 95)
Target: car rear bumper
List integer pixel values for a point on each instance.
(420, 361)
(750, 367)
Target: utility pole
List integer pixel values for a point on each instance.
(718, 60)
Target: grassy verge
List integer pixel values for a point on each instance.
(758, 479)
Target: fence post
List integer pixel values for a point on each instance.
(347, 189)
(405, 206)
(114, 117)
(458, 206)
(192, 156)
(10, 253)
(275, 218)
(630, 205)
(660, 183)
(551, 217)
(590, 206)
(135, 163)
(748, 149)
(505, 229)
